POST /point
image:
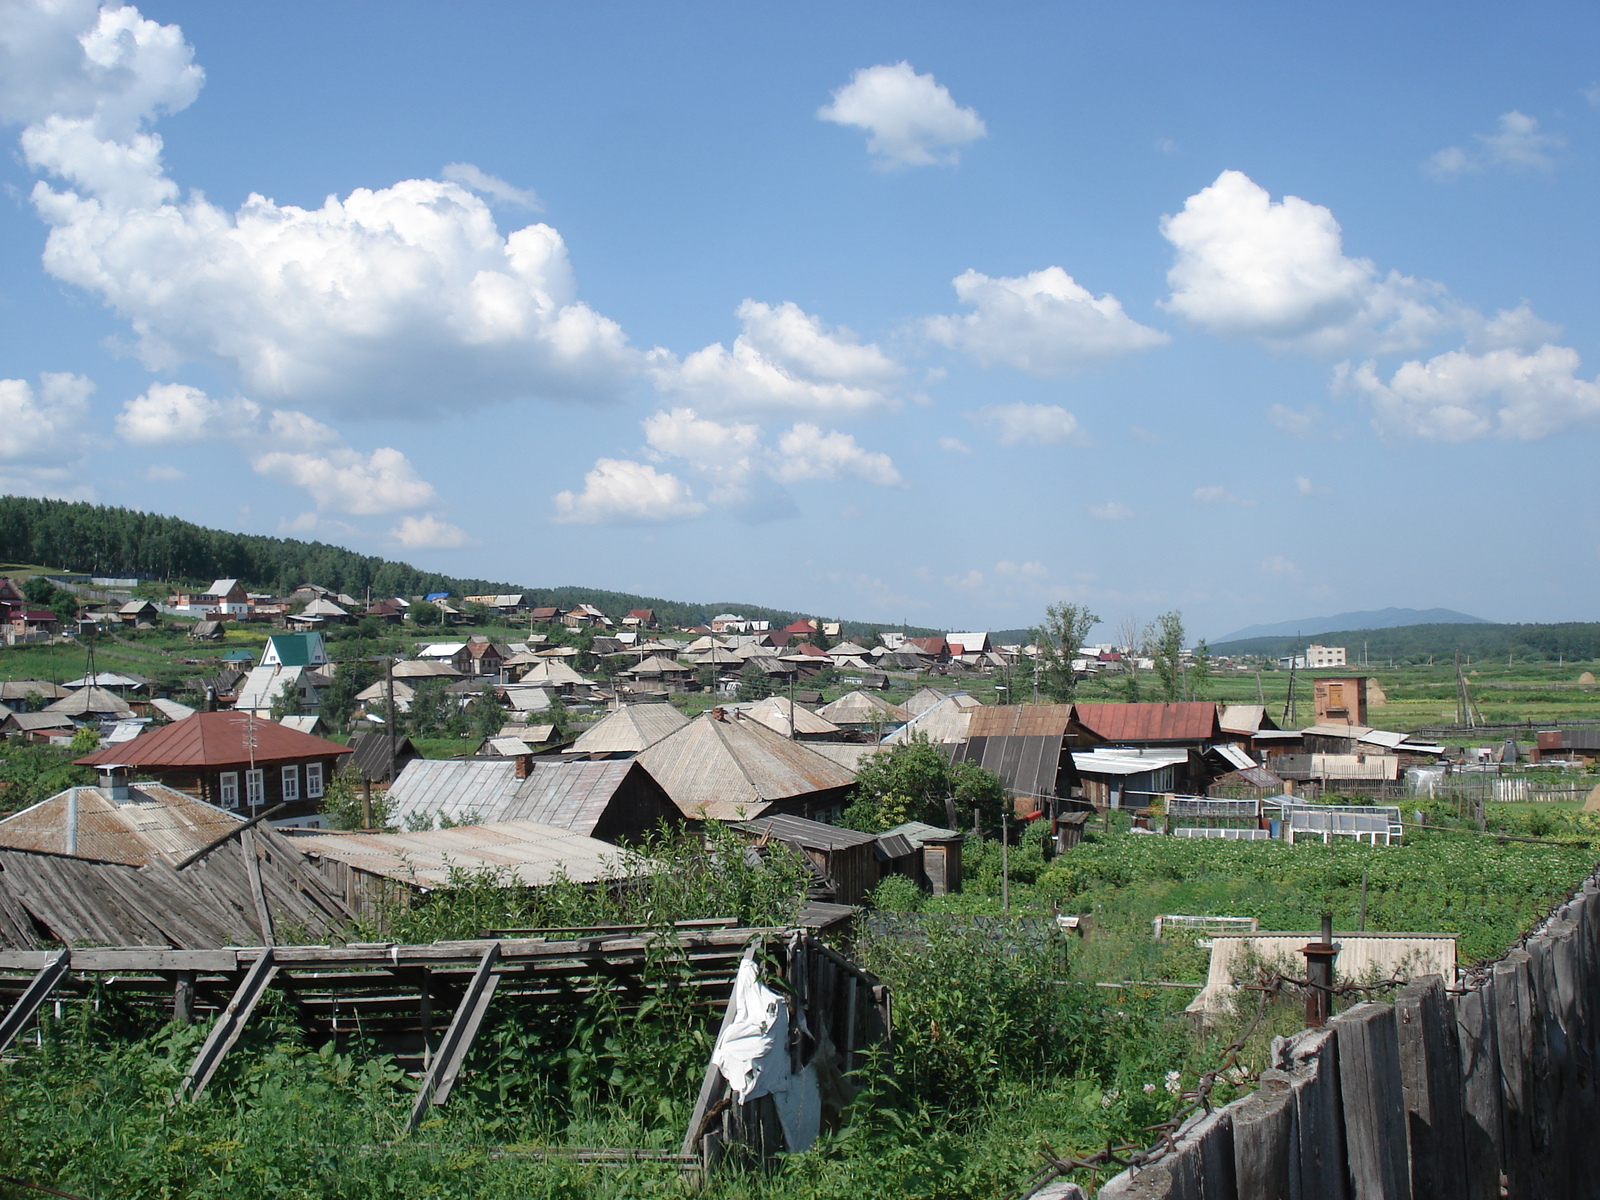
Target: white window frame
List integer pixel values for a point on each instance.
(291, 783)
(255, 787)
(228, 789)
(315, 787)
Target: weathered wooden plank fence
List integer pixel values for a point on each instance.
(1479, 1091)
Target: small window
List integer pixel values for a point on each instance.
(291, 783)
(255, 787)
(314, 781)
(230, 789)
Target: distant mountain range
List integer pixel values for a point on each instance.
(1383, 618)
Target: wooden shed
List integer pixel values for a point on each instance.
(937, 862)
(845, 856)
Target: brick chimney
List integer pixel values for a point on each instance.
(524, 765)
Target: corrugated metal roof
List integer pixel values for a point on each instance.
(1233, 756)
(572, 795)
(630, 729)
(1126, 762)
(1020, 720)
(918, 832)
(1183, 721)
(730, 770)
(214, 739)
(848, 755)
(923, 699)
(452, 787)
(526, 851)
(1027, 765)
(155, 821)
(1330, 729)
(813, 835)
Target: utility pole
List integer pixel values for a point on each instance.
(1005, 866)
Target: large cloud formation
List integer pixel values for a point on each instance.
(1249, 266)
(405, 299)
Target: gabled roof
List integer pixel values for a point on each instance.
(1020, 720)
(923, 699)
(553, 673)
(776, 713)
(322, 607)
(811, 835)
(21, 689)
(296, 649)
(1245, 719)
(1125, 762)
(862, 708)
(1182, 721)
(630, 729)
(729, 770)
(947, 721)
(371, 757)
(221, 587)
(214, 739)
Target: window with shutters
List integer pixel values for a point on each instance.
(291, 783)
(314, 781)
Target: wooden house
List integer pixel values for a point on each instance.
(843, 857)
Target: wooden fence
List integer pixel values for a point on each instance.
(1480, 1091)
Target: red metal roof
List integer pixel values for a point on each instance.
(214, 739)
(1187, 721)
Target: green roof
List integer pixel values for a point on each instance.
(293, 649)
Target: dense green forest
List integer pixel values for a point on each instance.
(99, 540)
(1574, 641)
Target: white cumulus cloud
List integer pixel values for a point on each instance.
(350, 482)
(1459, 396)
(1249, 266)
(402, 299)
(785, 361)
(43, 429)
(428, 533)
(1033, 424)
(1044, 322)
(169, 414)
(911, 120)
(806, 452)
(622, 490)
(727, 456)
(1515, 145)
(1217, 494)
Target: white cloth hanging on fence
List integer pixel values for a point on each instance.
(752, 1052)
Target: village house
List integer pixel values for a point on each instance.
(223, 599)
(501, 605)
(235, 761)
(640, 618)
(628, 730)
(118, 821)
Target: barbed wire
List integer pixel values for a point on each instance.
(1193, 1100)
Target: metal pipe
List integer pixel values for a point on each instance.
(72, 820)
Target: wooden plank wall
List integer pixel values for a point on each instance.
(1484, 1090)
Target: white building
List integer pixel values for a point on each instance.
(1318, 657)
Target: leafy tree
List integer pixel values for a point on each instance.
(486, 716)
(1200, 672)
(425, 612)
(1059, 639)
(343, 807)
(39, 591)
(753, 683)
(912, 781)
(431, 705)
(86, 740)
(707, 675)
(349, 680)
(65, 605)
(286, 703)
(1167, 651)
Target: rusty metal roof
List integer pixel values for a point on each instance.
(729, 770)
(525, 851)
(1020, 720)
(1183, 721)
(155, 821)
(215, 739)
(776, 713)
(862, 708)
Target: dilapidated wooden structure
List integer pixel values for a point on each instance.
(426, 1003)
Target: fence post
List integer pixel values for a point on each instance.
(1374, 1109)
(1552, 1076)
(1430, 1080)
(1317, 1153)
(1482, 1122)
(1514, 1045)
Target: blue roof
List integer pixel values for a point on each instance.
(437, 596)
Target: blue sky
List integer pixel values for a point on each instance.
(934, 313)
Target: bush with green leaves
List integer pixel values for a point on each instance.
(915, 781)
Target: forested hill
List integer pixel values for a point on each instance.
(98, 540)
(1574, 641)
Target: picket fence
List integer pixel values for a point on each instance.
(1479, 1091)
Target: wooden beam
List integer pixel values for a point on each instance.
(230, 1024)
(252, 870)
(446, 1065)
(232, 833)
(33, 996)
